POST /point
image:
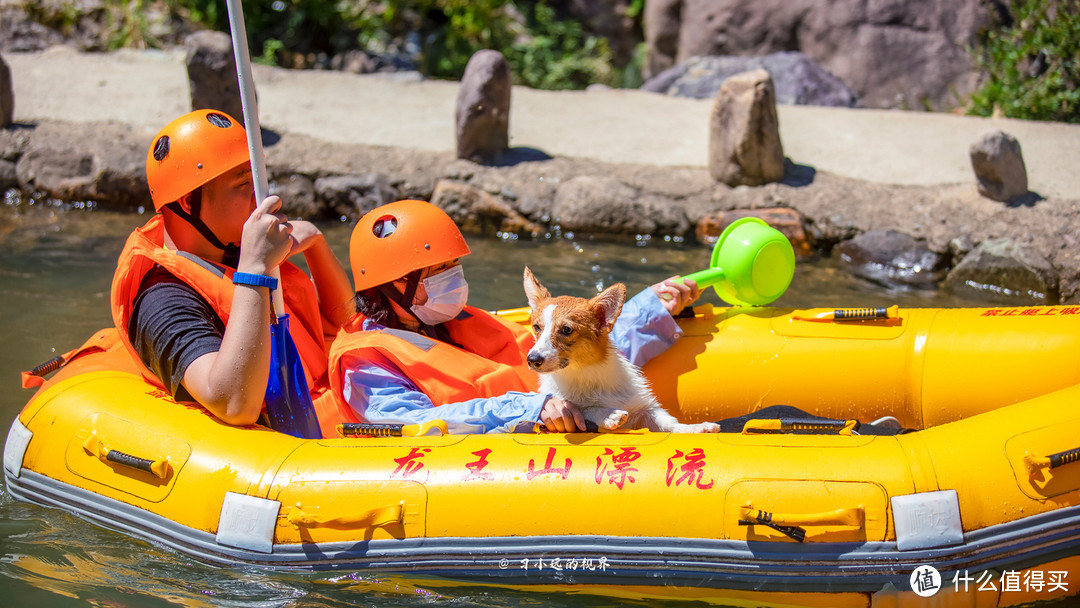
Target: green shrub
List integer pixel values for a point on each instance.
(1032, 66)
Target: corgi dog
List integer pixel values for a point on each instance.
(577, 361)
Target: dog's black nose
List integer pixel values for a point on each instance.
(535, 361)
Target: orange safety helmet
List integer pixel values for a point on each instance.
(391, 241)
(192, 150)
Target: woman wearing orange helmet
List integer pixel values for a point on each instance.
(191, 295)
(415, 344)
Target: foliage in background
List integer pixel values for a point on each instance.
(544, 49)
(1032, 65)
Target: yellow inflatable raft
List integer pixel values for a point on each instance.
(980, 505)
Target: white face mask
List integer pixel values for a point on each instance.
(446, 296)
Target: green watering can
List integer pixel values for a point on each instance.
(752, 264)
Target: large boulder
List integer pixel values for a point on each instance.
(605, 205)
(892, 259)
(799, 80)
(999, 168)
(1007, 272)
(101, 162)
(212, 73)
(893, 53)
(482, 112)
(351, 196)
(744, 132)
(788, 221)
(478, 212)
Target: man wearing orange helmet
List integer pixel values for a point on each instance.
(415, 344)
(191, 295)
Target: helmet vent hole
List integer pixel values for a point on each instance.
(161, 148)
(384, 226)
(219, 120)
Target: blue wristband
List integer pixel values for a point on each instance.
(257, 280)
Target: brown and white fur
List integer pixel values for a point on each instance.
(578, 362)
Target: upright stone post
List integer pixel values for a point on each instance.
(998, 163)
(7, 96)
(744, 132)
(212, 73)
(482, 111)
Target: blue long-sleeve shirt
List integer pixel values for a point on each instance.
(381, 393)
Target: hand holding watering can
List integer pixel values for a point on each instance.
(752, 264)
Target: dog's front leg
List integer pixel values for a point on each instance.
(606, 418)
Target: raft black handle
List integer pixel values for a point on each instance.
(1053, 461)
(364, 429)
(860, 314)
(852, 314)
(764, 518)
(781, 425)
(142, 464)
(95, 446)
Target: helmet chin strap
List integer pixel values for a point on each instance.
(231, 251)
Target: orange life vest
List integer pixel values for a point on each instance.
(491, 361)
(144, 249)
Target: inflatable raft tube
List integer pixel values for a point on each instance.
(758, 519)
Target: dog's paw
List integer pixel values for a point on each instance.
(614, 420)
(705, 427)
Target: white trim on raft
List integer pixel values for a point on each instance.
(247, 522)
(781, 567)
(927, 520)
(18, 439)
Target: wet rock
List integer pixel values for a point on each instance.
(297, 194)
(1004, 271)
(894, 54)
(86, 162)
(892, 259)
(482, 111)
(999, 166)
(788, 221)
(7, 96)
(211, 71)
(604, 205)
(478, 212)
(799, 80)
(8, 178)
(744, 132)
(351, 196)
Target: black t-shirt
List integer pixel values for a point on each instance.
(171, 325)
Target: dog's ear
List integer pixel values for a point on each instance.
(534, 291)
(608, 304)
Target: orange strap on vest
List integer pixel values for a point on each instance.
(144, 249)
(491, 362)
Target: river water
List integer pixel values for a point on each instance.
(55, 271)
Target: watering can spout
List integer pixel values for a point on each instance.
(752, 264)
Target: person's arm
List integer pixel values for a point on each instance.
(382, 394)
(331, 283)
(646, 327)
(231, 383)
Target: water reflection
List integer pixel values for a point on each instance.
(55, 274)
